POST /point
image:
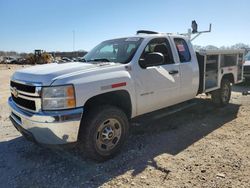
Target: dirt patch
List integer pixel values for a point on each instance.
(202, 146)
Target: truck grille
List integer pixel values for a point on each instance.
(26, 96)
(24, 102)
(22, 87)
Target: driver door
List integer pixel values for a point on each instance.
(157, 86)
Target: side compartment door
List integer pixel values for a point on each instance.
(157, 86)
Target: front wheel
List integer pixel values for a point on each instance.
(221, 97)
(103, 132)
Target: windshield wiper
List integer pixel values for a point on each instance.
(99, 59)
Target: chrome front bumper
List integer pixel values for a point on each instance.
(54, 127)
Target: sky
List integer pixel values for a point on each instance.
(50, 25)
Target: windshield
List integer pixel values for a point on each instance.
(118, 50)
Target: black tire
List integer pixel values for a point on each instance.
(221, 97)
(100, 127)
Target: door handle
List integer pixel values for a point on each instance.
(173, 72)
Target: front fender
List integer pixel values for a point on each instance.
(93, 85)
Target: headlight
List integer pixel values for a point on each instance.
(58, 97)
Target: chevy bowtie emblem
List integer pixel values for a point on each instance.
(15, 92)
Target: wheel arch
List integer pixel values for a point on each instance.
(229, 77)
(118, 98)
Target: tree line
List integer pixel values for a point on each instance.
(24, 55)
(212, 47)
(197, 47)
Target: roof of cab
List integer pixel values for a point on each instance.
(156, 35)
(160, 35)
(147, 34)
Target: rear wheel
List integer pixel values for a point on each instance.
(221, 97)
(103, 132)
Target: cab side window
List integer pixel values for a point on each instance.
(183, 50)
(160, 45)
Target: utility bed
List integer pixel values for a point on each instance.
(214, 64)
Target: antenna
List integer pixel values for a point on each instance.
(73, 40)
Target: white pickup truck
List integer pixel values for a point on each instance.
(91, 102)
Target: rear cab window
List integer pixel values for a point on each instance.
(183, 50)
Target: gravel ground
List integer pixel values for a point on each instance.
(202, 146)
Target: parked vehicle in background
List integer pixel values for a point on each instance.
(81, 59)
(18, 61)
(247, 67)
(21, 61)
(91, 102)
(9, 60)
(65, 60)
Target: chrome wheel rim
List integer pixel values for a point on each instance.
(108, 135)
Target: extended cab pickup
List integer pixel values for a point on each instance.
(91, 102)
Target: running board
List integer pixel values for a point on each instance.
(152, 116)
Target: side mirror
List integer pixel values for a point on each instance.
(152, 59)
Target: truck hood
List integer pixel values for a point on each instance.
(46, 74)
